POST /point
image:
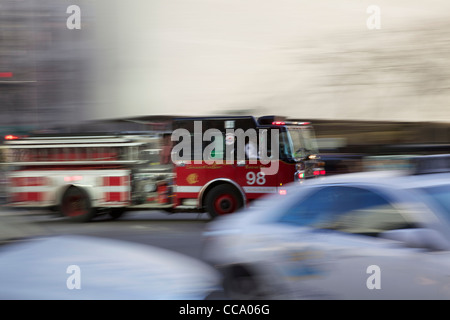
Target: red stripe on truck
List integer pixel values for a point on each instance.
(115, 181)
(27, 196)
(28, 181)
(116, 196)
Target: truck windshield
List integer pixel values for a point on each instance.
(302, 141)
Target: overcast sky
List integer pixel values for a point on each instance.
(303, 59)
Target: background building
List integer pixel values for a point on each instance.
(45, 66)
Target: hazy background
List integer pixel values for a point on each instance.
(307, 59)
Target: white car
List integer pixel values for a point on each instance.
(91, 268)
(379, 235)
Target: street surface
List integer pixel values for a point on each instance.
(179, 232)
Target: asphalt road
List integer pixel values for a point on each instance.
(180, 232)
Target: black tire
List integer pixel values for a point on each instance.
(241, 284)
(223, 199)
(116, 213)
(76, 205)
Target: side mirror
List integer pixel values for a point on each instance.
(418, 238)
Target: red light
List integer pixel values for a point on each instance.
(316, 173)
(11, 137)
(279, 123)
(73, 178)
(322, 172)
(282, 192)
(6, 74)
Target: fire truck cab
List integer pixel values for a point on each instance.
(234, 160)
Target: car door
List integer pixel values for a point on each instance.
(339, 254)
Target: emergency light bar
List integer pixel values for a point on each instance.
(278, 121)
(282, 123)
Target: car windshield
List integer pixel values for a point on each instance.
(439, 195)
(302, 141)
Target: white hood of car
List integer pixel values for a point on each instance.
(108, 269)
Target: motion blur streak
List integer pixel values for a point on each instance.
(252, 56)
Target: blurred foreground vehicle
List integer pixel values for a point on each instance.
(91, 268)
(378, 235)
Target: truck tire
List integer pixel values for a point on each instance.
(76, 205)
(223, 199)
(116, 213)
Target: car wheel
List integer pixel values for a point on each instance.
(241, 284)
(76, 205)
(223, 199)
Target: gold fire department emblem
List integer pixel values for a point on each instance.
(192, 178)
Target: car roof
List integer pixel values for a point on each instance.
(396, 179)
(389, 180)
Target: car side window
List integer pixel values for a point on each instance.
(348, 209)
(309, 210)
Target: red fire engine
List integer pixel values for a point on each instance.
(206, 164)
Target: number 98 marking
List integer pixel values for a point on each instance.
(252, 177)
